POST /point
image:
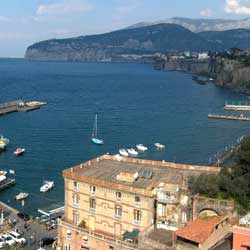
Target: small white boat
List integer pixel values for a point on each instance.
(47, 186)
(141, 147)
(22, 196)
(158, 145)
(123, 152)
(132, 151)
(19, 151)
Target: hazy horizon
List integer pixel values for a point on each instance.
(26, 22)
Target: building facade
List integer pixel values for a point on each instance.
(111, 202)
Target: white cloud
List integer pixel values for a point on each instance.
(4, 19)
(206, 13)
(239, 7)
(66, 8)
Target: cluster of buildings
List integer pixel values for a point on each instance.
(119, 203)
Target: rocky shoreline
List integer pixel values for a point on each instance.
(228, 73)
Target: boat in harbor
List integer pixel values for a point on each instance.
(95, 140)
(132, 152)
(123, 152)
(19, 151)
(47, 186)
(4, 181)
(3, 143)
(22, 196)
(159, 146)
(141, 147)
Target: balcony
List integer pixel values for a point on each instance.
(117, 217)
(137, 223)
(92, 210)
(75, 205)
(110, 239)
(162, 198)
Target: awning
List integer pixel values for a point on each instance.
(131, 235)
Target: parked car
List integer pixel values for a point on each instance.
(23, 216)
(2, 243)
(8, 240)
(46, 241)
(17, 237)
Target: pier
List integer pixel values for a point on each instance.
(237, 106)
(19, 106)
(229, 117)
(7, 183)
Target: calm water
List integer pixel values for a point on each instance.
(134, 103)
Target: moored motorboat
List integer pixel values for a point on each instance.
(158, 145)
(123, 152)
(22, 196)
(141, 147)
(132, 151)
(47, 186)
(3, 143)
(19, 151)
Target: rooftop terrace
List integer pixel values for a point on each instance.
(104, 170)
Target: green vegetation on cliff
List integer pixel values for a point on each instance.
(229, 183)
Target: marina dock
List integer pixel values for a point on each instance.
(237, 107)
(7, 183)
(229, 117)
(19, 106)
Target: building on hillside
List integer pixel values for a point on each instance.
(114, 202)
(203, 233)
(241, 238)
(203, 55)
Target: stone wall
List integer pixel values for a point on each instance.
(219, 207)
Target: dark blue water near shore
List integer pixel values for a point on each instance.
(134, 103)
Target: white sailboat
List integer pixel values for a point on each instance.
(95, 140)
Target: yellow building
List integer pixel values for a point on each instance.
(112, 202)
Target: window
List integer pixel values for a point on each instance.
(137, 215)
(92, 203)
(111, 248)
(75, 186)
(118, 212)
(68, 235)
(76, 200)
(68, 247)
(75, 218)
(92, 189)
(118, 195)
(85, 241)
(137, 199)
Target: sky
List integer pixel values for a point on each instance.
(23, 22)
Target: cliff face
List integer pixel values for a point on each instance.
(225, 72)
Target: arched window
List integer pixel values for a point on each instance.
(118, 195)
(92, 189)
(76, 199)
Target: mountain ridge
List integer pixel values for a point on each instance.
(159, 38)
(200, 24)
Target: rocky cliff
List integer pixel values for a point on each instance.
(225, 72)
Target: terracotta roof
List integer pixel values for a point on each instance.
(200, 229)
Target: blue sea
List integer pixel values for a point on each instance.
(135, 104)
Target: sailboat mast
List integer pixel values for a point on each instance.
(96, 126)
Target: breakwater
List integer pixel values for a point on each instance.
(19, 106)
